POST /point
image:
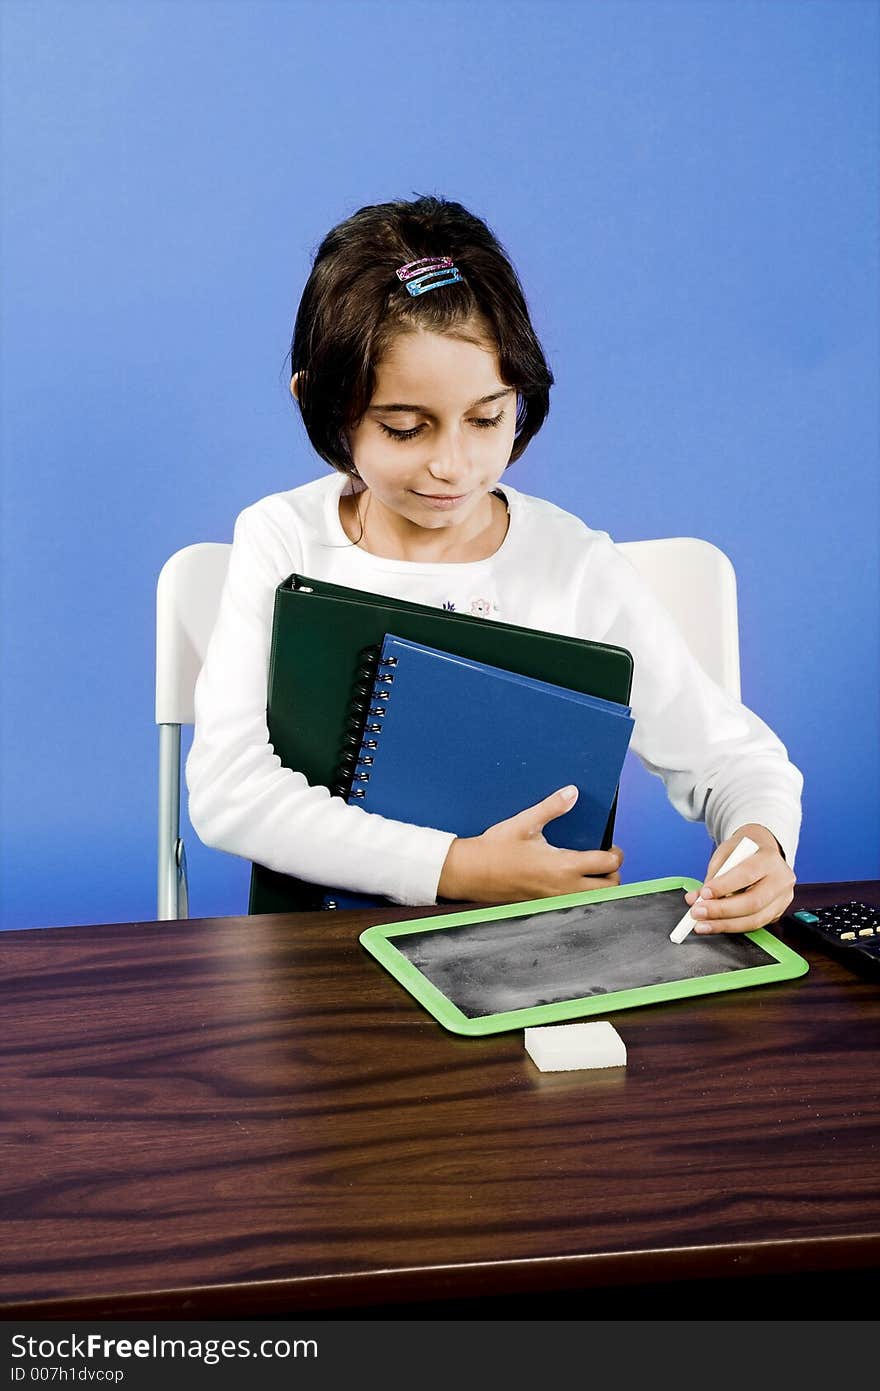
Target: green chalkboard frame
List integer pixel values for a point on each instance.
(379, 941)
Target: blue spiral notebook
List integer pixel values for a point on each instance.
(455, 744)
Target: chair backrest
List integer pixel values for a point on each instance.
(187, 597)
(692, 578)
(696, 582)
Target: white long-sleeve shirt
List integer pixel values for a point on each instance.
(720, 763)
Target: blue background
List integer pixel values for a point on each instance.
(689, 191)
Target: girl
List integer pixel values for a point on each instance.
(420, 379)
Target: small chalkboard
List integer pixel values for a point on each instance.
(491, 969)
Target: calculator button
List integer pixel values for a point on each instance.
(851, 930)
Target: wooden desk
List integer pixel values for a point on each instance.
(248, 1117)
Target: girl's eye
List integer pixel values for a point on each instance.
(401, 434)
(482, 423)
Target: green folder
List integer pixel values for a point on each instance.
(324, 639)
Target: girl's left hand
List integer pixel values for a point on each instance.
(750, 895)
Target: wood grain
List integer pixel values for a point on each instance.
(248, 1115)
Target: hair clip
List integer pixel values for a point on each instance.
(425, 264)
(431, 279)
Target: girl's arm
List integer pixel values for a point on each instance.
(241, 800)
(719, 761)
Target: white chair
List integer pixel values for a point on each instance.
(187, 598)
(696, 582)
(694, 579)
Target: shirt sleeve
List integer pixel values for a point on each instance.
(241, 799)
(719, 761)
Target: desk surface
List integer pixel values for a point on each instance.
(248, 1116)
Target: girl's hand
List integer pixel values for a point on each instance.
(750, 895)
(512, 862)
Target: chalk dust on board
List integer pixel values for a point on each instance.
(570, 953)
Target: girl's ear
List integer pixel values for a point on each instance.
(294, 388)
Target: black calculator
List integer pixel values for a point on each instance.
(848, 931)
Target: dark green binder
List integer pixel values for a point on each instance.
(323, 636)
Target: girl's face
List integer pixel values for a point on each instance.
(436, 436)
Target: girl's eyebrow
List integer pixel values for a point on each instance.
(423, 410)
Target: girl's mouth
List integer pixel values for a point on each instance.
(442, 500)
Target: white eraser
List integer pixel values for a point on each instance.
(565, 1047)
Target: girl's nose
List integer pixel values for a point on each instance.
(450, 460)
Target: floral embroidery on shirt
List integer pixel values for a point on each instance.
(478, 608)
(482, 608)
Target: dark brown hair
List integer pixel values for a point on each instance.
(353, 306)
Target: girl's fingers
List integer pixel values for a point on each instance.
(742, 913)
(532, 820)
(764, 864)
(764, 870)
(597, 864)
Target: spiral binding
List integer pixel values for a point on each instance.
(367, 709)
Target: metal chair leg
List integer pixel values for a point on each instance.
(172, 896)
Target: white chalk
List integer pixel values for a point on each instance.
(564, 1047)
(741, 851)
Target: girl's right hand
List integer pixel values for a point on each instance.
(511, 862)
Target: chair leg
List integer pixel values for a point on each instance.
(182, 885)
(172, 888)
